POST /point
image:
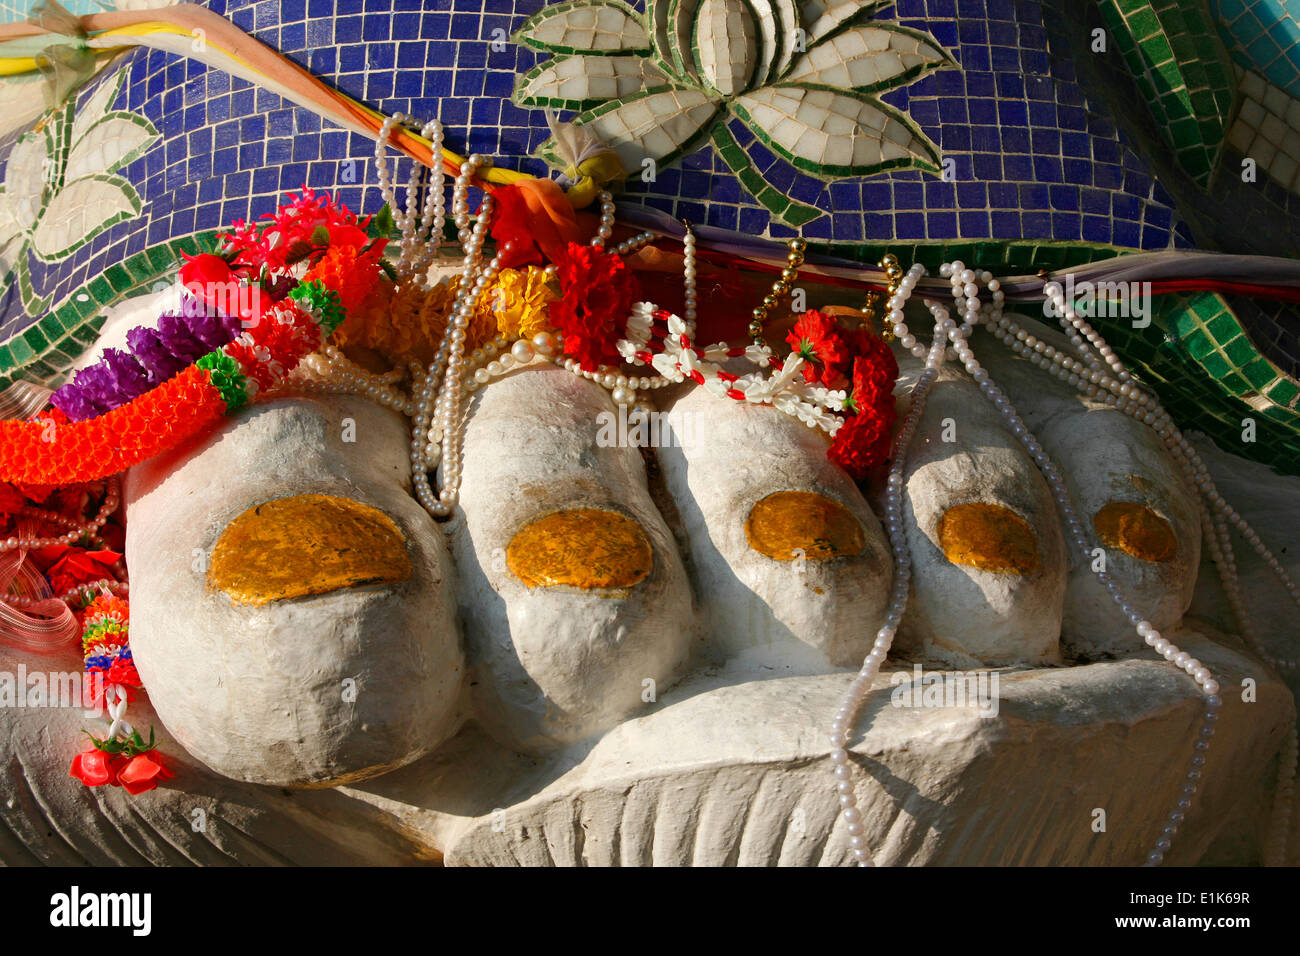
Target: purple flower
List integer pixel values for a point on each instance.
(158, 362)
(208, 325)
(97, 386)
(129, 379)
(70, 400)
(176, 337)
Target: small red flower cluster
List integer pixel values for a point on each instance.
(861, 362)
(306, 224)
(269, 350)
(134, 773)
(598, 292)
(231, 291)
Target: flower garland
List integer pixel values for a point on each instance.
(122, 757)
(196, 366)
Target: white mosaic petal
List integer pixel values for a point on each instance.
(681, 23)
(21, 101)
(581, 78)
(655, 125)
(112, 142)
(10, 250)
(726, 45)
(778, 25)
(824, 16)
(82, 210)
(25, 177)
(99, 103)
(10, 239)
(868, 57)
(591, 26)
(822, 130)
(787, 18)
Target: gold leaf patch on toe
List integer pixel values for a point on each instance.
(306, 544)
(988, 537)
(790, 524)
(1136, 530)
(584, 548)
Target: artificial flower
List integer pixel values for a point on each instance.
(11, 499)
(143, 772)
(517, 302)
(74, 567)
(94, 767)
(862, 442)
(69, 452)
(597, 292)
(817, 338)
(308, 224)
(353, 273)
(512, 229)
(408, 326)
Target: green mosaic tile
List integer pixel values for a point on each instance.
(1284, 392)
(100, 290)
(20, 352)
(1182, 70)
(1260, 373)
(1239, 351)
(118, 277)
(36, 338)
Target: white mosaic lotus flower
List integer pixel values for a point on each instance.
(803, 78)
(60, 190)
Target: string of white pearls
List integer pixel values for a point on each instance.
(965, 287)
(77, 593)
(857, 690)
(498, 357)
(338, 376)
(605, 228)
(460, 194)
(1119, 391)
(633, 243)
(381, 160)
(896, 304)
(1075, 531)
(441, 442)
(689, 279)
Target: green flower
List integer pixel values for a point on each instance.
(803, 77)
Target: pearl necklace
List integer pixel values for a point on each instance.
(946, 331)
(112, 497)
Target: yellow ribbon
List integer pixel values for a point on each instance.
(592, 175)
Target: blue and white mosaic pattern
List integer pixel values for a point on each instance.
(1035, 156)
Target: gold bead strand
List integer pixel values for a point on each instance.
(779, 288)
(894, 275)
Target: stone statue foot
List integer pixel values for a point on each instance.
(605, 638)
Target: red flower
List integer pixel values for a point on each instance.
(11, 499)
(204, 269)
(74, 567)
(862, 443)
(94, 767)
(303, 226)
(512, 223)
(598, 292)
(819, 340)
(875, 370)
(143, 772)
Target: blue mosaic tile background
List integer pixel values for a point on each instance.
(1036, 156)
